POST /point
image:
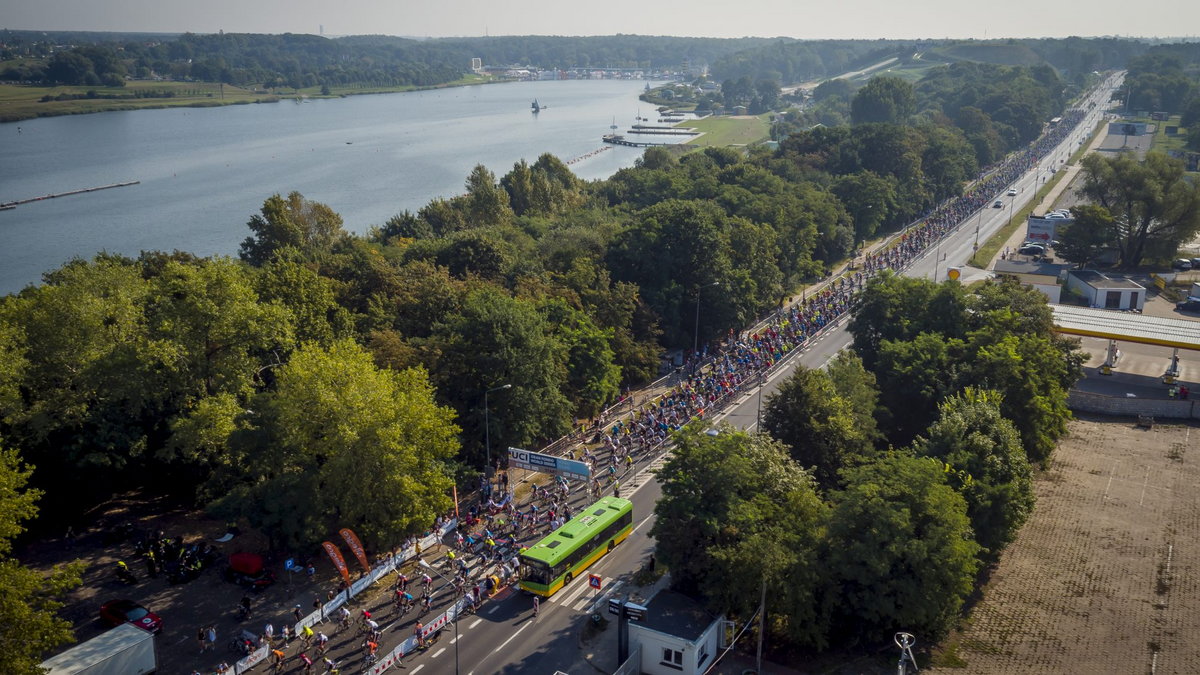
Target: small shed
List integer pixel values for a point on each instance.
(1040, 276)
(1107, 292)
(677, 636)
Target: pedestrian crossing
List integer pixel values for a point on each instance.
(580, 596)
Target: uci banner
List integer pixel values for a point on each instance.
(336, 556)
(356, 547)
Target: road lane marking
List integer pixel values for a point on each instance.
(599, 601)
(438, 653)
(510, 639)
(454, 640)
(493, 609)
(474, 623)
(418, 668)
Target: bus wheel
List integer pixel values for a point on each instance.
(567, 579)
(611, 545)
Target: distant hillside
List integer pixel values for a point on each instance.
(1002, 54)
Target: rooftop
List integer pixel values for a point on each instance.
(1024, 267)
(1128, 326)
(1097, 280)
(677, 614)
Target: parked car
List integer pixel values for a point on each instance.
(1195, 263)
(117, 612)
(1055, 216)
(1182, 264)
(998, 204)
(1032, 249)
(1189, 305)
(1012, 192)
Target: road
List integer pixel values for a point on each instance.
(506, 638)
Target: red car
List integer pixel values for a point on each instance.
(117, 612)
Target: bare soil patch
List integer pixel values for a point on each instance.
(1102, 579)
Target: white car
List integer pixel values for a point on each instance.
(1055, 216)
(1012, 192)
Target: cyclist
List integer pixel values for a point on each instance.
(373, 627)
(322, 643)
(343, 618)
(306, 635)
(401, 581)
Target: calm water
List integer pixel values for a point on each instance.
(205, 171)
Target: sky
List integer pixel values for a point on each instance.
(900, 19)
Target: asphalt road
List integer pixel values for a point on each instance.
(505, 637)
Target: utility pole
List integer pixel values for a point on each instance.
(762, 614)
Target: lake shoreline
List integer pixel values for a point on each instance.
(123, 105)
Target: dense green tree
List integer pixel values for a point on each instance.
(1155, 208)
(1087, 237)
(309, 227)
(869, 198)
(493, 340)
(340, 443)
(899, 550)
(884, 99)
(212, 329)
(30, 624)
(309, 297)
(593, 380)
(817, 425)
(899, 308)
(858, 387)
(914, 375)
(486, 202)
(982, 450)
(737, 512)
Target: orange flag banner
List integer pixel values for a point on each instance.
(336, 556)
(355, 547)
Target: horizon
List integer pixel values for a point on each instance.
(769, 19)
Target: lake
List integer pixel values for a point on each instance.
(205, 171)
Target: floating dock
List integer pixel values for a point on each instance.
(12, 205)
(617, 139)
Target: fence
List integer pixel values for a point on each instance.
(1123, 406)
(361, 584)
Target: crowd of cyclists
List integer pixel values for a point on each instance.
(483, 554)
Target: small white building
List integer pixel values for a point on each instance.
(1103, 292)
(677, 636)
(1043, 277)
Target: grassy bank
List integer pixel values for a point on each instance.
(988, 249)
(22, 102)
(726, 131)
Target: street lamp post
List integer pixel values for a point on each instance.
(426, 565)
(487, 427)
(696, 333)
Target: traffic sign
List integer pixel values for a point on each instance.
(594, 581)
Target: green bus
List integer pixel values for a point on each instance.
(563, 554)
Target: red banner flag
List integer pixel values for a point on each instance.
(355, 547)
(336, 556)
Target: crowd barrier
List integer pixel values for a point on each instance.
(405, 555)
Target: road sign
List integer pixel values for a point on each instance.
(635, 612)
(289, 563)
(536, 461)
(594, 581)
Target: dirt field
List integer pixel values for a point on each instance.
(1102, 579)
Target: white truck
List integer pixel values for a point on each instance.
(124, 650)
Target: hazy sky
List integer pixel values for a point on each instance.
(725, 18)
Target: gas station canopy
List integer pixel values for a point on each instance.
(1127, 326)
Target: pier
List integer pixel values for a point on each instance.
(5, 206)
